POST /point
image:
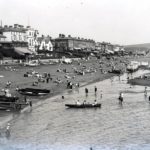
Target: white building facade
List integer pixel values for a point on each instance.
(20, 36)
(14, 34)
(44, 43)
(31, 35)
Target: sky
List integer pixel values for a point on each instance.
(122, 22)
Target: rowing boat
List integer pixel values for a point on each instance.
(83, 105)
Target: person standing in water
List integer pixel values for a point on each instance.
(149, 98)
(95, 89)
(7, 132)
(78, 102)
(121, 97)
(86, 91)
(101, 94)
(145, 91)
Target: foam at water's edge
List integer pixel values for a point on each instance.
(75, 147)
(4, 120)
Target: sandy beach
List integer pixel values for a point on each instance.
(96, 70)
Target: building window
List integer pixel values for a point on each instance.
(30, 43)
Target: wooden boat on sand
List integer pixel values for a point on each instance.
(116, 71)
(10, 103)
(4, 98)
(33, 91)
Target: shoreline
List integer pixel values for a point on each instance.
(16, 76)
(10, 117)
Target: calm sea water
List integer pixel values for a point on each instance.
(50, 126)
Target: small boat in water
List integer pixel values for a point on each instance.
(33, 91)
(83, 105)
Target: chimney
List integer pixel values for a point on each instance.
(15, 25)
(5, 26)
(21, 26)
(59, 35)
(28, 27)
(63, 35)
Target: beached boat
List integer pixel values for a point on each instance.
(31, 64)
(33, 91)
(83, 105)
(116, 71)
(133, 66)
(4, 98)
(10, 103)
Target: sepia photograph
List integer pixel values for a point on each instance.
(74, 75)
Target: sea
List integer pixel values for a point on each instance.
(49, 125)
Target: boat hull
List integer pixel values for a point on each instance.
(4, 98)
(132, 70)
(116, 72)
(33, 92)
(83, 106)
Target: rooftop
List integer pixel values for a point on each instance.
(14, 28)
(69, 37)
(46, 39)
(11, 29)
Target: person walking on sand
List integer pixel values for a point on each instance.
(47, 80)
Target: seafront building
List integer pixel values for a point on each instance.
(108, 48)
(15, 34)
(22, 38)
(25, 41)
(63, 44)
